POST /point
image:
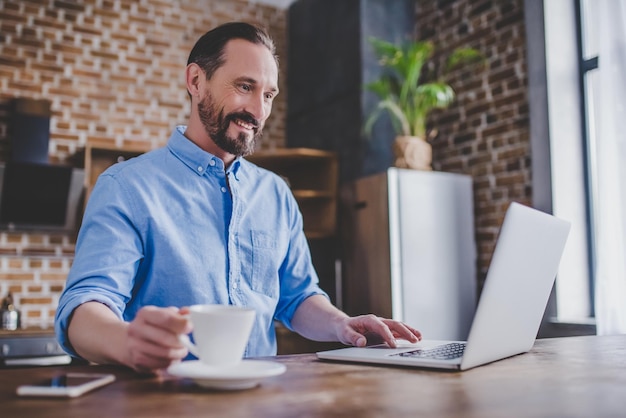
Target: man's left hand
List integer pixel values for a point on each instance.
(362, 330)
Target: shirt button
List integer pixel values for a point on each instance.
(223, 189)
(200, 169)
(235, 286)
(212, 163)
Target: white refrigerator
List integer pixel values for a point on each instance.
(408, 250)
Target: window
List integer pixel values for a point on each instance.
(603, 58)
(566, 134)
(577, 67)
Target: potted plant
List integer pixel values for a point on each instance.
(409, 90)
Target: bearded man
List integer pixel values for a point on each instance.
(194, 222)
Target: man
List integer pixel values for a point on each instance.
(193, 222)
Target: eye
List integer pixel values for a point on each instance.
(245, 87)
(269, 96)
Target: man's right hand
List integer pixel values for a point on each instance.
(153, 338)
(147, 344)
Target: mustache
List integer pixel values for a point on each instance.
(244, 116)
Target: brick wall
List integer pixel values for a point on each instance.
(113, 70)
(485, 134)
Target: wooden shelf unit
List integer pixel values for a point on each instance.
(313, 177)
(98, 158)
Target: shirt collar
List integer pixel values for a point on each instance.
(195, 157)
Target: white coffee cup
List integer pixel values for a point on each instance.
(220, 332)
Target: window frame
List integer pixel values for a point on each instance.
(543, 118)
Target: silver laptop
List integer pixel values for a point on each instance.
(514, 297)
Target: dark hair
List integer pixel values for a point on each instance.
(208, 52)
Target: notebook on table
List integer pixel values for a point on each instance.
(511, 306)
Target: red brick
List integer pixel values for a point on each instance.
(15, 289)
(17, 276)
(53, 276)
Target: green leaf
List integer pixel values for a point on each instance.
(403, 93)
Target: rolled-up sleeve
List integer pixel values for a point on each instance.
(104, 268)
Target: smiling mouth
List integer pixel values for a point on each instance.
(245, 125)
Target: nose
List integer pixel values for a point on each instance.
(258, 107)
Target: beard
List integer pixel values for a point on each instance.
(216, 126)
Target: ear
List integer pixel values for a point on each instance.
(195, 77)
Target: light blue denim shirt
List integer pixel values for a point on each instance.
(173, 228)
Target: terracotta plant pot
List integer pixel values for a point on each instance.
(412, 152)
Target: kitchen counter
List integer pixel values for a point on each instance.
(30, 346)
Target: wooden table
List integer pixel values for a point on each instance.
(561, 377)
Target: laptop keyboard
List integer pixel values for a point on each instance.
(442, 352)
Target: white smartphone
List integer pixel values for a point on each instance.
(69, 385)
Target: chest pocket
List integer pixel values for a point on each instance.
(266, 260)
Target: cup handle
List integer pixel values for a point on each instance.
(184, 339)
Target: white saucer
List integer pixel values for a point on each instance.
(245, 375)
